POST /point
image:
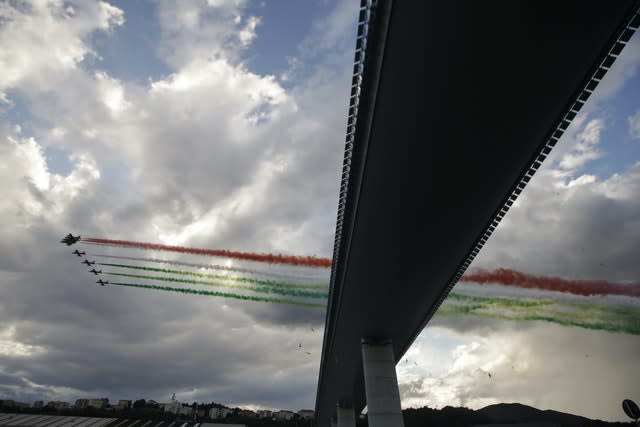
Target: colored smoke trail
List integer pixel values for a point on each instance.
(309, 261)
(207, 266)
(261, 289)
(219, 294)
(623, 319)
(260, 282)
(509, 277)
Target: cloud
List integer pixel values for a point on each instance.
(327, 46)
(210, 155)
(634, 125)
(43, 40)
(585, 149)
(33, 196)
(198, 30)
(535, 363)
(595, 217)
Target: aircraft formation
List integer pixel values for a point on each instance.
(302, 281)
(281, 292)
(69, 240)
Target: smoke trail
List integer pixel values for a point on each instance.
(207, 266)
(261, 289)
(589, 316)
(309, 261)
(623, 319)
(219, 294)
(509, 277)
(252, 281)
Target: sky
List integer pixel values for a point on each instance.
(221, 124)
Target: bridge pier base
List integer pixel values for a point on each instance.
(346, 417)
(381, 384)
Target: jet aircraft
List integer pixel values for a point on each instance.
(70, 239)
(94, 271)
(89, 263)
(77, 252)
(102, 282)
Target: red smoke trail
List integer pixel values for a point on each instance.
(509, 277)
(308, 261)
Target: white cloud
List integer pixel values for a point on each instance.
(32, 193)
(584, 149)
(44, 40)
(248, 33)
(194, 30)
(111, 93)
(11, 347)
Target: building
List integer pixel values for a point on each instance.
(152, 404)
(283, 415)
(247, 413)
(306, 414)
(58, 405)
(14, 405)
(81, 404)
(265, 413)
(173, 406)
(123, 405)
(215, 413)
(185, 410)
(38, 404)
(98, 403)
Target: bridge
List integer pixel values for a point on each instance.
(454, 106)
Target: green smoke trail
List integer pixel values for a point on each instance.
(261, 289)
(237, 269)
(220, 294)
(261, 282)
(584, 315)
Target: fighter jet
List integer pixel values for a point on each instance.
(77, 252)
(94, 271)
(69, 239)
(102, 282)
(89, 263)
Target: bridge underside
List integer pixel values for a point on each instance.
(463, 101)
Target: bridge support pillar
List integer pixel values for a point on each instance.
(381, 384)
(346, 416)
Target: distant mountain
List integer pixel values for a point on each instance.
(500, 415)
(512, 413)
